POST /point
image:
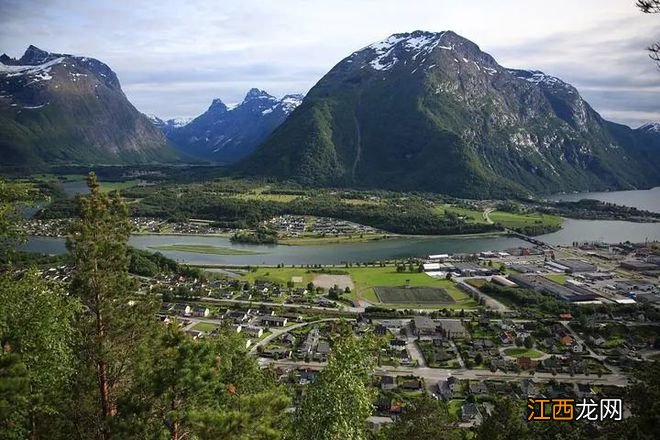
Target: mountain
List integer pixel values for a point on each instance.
(168, 125)
(431, 111)
(57, 108)
(227, 135)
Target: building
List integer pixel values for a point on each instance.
(423, 325)
(200, 312)
(639, 266)
(274, 321)
(452, 328)
(252, 330)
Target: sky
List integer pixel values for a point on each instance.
(174, 57)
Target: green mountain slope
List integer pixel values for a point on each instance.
(431, 111)
(58, 108)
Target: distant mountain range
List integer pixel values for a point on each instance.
(431, 111)
(227, 135)
(57, 108)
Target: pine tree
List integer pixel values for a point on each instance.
(337, 404)
(115, 323)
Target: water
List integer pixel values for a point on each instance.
(648, 199)
(321, 254)
(75, 187)
(573, 230)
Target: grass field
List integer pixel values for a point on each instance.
(205, 327)
(366, 278)
(558, 278)
(471, 215)
(511, 220)
(202, 249)
(413, 295)
(519, 352)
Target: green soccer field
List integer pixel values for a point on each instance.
(413, 295)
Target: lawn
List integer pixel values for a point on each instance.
(413, 295)
(366, 278)
(519, 352)
(202, 249)
(205, 326)
(511, 220)
(557, 278)
(472, 215)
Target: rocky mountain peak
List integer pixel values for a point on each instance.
(34, 56)
(255, 93)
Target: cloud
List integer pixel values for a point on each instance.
(173, 57)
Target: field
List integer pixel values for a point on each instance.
(558, 278)
(413, 295)
(471, 215)
(327, 281)
(365, 279)
(202, 249)
(511, 220)
(523, 352)
(205, 326)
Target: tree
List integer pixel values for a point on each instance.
(506, 422)
(529, 342)
(115, 325)
(337, 404)
(36, 325)
(424, 419)
(651, 7)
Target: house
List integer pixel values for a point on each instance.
(182, 309)
(526, 363)
(566, 341)
(274, 321)
(200, 312)
(237, 316)
(470, 413)
(252, 330)
(452, 328)
(276, 353)
(323, 349)
(478, 388)
(528, 389)
(374, 423)
(387, 383)
(195, 334)
(422, 325)
(576, 347)
(412, 385)
(447, 389)
(289, 339)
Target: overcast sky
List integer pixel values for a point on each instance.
(174, 57)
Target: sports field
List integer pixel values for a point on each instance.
(413, 295)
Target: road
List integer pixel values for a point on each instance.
(436, 374)
(284, 305)
(486, 215)
(490, 302)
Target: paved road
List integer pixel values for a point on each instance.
(436, 374)
(490, 302)
(284, 305)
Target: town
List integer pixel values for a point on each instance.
(464, 328)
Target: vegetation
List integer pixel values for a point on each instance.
(203, 249)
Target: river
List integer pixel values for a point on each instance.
(573, 230)
(646, 199)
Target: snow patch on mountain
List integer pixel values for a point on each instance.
(418, 43)
(40, 71)
(650, 127)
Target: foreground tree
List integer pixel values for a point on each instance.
(424, 419)
(337, 404)
(208, 389)
(651, 7)
(115, 325)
